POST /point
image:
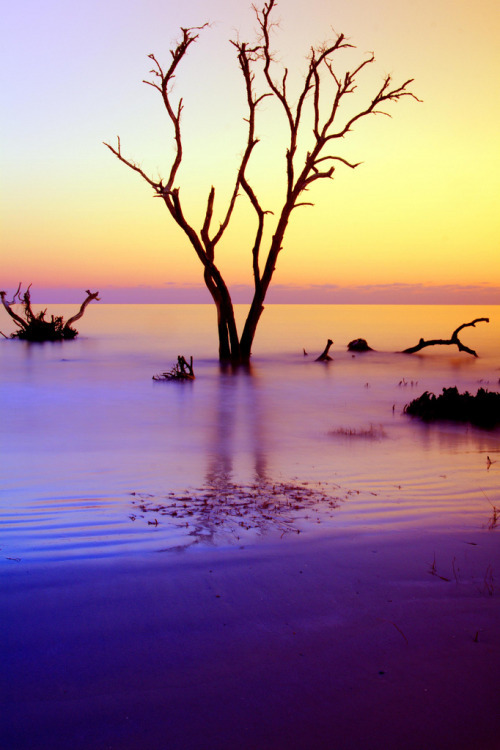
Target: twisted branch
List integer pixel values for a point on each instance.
(453, 340)
(79, 314)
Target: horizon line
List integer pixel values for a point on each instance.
(379, 294)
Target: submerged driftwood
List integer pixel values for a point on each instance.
(34, 326)
(324, 356)
(359, 345)
(483, 409)
(453, 340)
(183, 370)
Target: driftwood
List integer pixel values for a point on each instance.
(325, 357)
(483, 409)
(446, 342)
(183, 370)
(359, 345)
(34, 327)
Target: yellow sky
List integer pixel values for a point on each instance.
(423, 207)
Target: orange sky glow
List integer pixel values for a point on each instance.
(417, 221)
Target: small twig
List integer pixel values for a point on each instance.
(399, 630)
(488, 584)
(433, 571)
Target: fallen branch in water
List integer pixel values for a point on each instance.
(446, 342)
(183, 370)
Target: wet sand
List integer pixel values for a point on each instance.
(345, 641)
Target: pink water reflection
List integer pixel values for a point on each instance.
(84, 419)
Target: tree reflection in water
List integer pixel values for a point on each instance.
(225, 509)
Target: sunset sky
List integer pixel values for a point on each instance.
(419, 220)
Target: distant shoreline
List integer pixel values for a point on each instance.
(106, 299)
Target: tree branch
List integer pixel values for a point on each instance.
(453, 340)
(206, 224)
(246, 56)
(15, 317)
(86, 301)
(118, 153)
(338, 158)
(384, 95)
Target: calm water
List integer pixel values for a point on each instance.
(84, 426)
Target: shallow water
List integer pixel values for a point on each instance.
(84, 426)
(243, 560)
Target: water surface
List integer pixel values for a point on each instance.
(84, 427)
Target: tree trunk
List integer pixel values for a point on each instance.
(224, 346)
(248, 335)
(229, 345)
(262, 284)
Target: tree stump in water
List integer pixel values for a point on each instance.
(325, 357)
(359, 345)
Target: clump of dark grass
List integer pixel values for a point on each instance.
(482, 409)
(495, 518)
(372, 432)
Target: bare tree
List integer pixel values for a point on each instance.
(317, 98)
